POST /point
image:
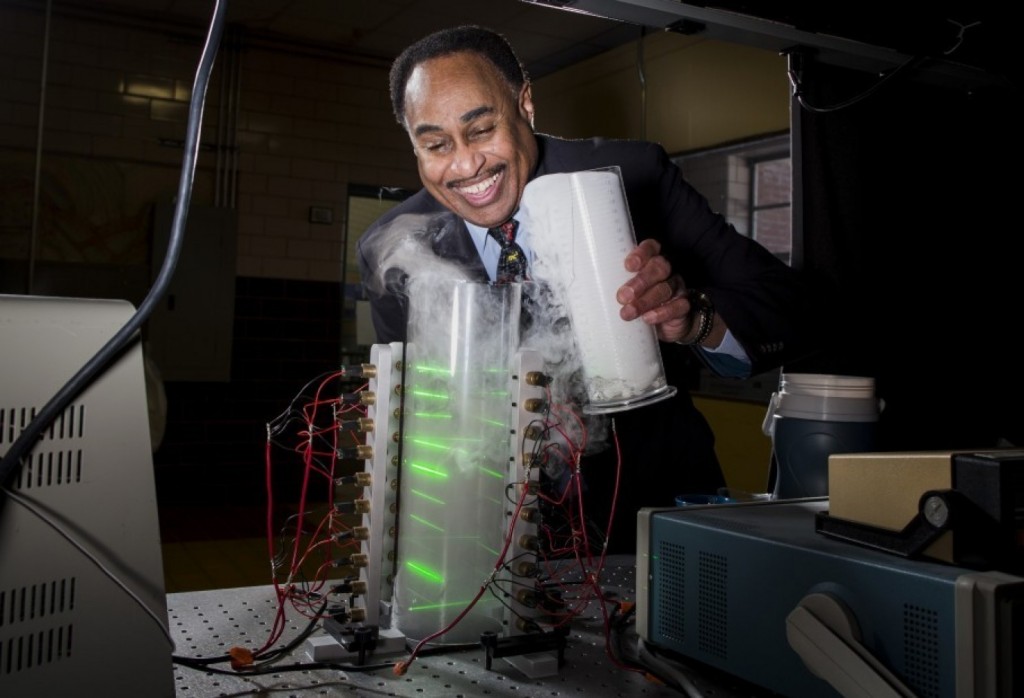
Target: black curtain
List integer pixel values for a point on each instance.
(910, 211)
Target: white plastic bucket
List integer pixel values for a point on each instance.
(581, 232)
(815, 415)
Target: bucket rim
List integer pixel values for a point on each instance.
(826, 379)
(828, 408)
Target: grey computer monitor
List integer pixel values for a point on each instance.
(66, 628)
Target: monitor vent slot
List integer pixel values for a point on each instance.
(24, 645)
(921, 650)
(712, 604)
(57, 457)
(672, 591)
(23, 653)
(36, 601)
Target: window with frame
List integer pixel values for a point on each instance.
(750, 184)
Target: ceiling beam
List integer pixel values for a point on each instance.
(734, 27)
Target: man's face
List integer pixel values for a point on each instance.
(472, 136)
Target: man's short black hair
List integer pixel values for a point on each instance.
(489, 44)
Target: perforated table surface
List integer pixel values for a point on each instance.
(209, 623)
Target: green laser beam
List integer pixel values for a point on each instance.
(489, 549)
(427, 497)
(425, 572)
(431, 395)
(432, 415)
(429, 470)
(435, 606)
(426, 368)
(430, 444)
(426, 523)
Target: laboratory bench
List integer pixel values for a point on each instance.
(209, 623)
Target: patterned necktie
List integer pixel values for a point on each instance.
(512, 260)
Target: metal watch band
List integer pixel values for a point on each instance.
(705, 316)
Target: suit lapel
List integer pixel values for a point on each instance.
(450, 239)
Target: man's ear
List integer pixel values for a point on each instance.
(526, 103)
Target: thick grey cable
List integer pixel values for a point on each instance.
(43, 516)
(676, 675)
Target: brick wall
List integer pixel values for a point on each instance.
(298, 128)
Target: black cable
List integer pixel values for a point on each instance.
(798, 93)
(204, 663)
(293, 412)
(302, 666)
(113, 348)
(269, 655)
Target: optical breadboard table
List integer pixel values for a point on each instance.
(209, 623)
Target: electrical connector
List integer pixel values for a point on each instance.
(357, 533)
(353, 506)
(537, 378)
(527, 625)
(525, 568)
(535, 404)
(241, 657)
(360, 452)
(530, 515)
(364, 397)
(528, 542)
(364, 424)
(361, 371)
(532, 487)
(535, 432)
(527, 597)
(350, 586)
(356, 560)
(361, 479)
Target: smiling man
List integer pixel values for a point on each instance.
(465, 101)
(474, 146)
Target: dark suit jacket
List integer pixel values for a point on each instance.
(667, 447)
(757, 295)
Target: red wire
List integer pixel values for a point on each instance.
(576, 542)
(310, 466)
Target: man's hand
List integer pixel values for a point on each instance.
(655, 294)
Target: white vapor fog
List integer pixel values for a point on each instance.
(580, 233)
(438, 322)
